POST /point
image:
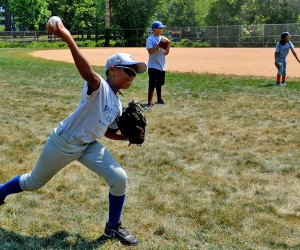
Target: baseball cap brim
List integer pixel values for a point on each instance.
(157, 24)
(125, 59)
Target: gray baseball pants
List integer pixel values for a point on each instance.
(61, 149)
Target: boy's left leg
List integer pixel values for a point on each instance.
(161, 82)
(98, 159)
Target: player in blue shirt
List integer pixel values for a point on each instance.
(282, 49)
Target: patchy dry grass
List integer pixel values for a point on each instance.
(219, 168)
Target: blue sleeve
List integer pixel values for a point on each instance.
(291, 45)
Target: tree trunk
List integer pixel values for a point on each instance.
(7, 21)
(107, 22)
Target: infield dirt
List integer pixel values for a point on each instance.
(228, 61)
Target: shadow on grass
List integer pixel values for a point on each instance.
(269, 85)
(59, 240)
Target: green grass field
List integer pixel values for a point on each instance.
(219, 168)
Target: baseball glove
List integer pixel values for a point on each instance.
(132, 123)
(278, 65)
(164, 43)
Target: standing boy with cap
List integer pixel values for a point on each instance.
(156, 63)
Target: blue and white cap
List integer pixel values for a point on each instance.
(125, 59)
(157, 24)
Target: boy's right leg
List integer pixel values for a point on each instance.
(152, 85)
(10, 187)
(150, 95)
(279, 74)
(56, 154)
(284, 65)
(278, 79)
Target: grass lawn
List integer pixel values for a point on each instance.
(219, 168)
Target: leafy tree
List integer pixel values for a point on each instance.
(132, 14)
(178, 13)
(79, 14)
(31, 14)
(225, 12)
(65, 9)
(202, 8)
(270, 11)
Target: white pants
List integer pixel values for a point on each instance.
(61, 149)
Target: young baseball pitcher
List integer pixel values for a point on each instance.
(75, 137)
(156, 62)
(282, 49)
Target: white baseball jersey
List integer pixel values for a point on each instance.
(283, 50)
(158, 59)
(94, 114)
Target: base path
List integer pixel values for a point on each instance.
(229, 61)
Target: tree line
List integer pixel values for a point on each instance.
(138, 14)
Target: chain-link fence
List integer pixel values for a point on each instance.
(128, 37)
(263, 35)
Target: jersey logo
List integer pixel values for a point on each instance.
(110, 113)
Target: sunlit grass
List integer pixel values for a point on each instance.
(219, 168)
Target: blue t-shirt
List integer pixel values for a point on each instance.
(283, 50)
(158, 59)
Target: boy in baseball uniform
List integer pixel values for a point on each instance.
(156, 63)
(282, 49)
(75, 138)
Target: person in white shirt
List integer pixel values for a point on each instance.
(156, 63)
(75, 138)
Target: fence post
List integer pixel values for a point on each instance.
(263, 42)
(217, 36)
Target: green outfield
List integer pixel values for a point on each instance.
(219, 168)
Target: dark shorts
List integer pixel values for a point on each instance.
(156, 77)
